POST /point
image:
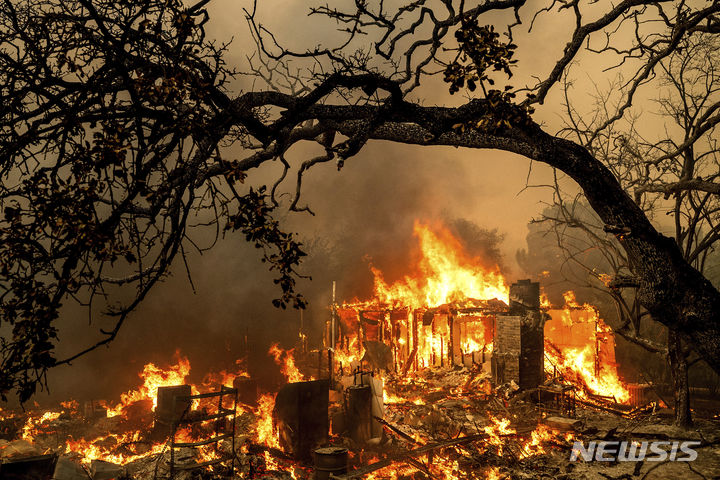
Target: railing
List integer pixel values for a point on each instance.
(220, 427)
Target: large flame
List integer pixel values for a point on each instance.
(580, 347)
(153, 378)
(432, 317)
(448, 291)
(116, 447)
(33, 425)
(265, 430)
(445, 275)
(445, 278)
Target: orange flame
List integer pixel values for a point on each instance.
(213, 379)
(103, 448)
(496, 428)
(351, 354)
(446, 278)
(125, 447)
(286, 361)
(153, 378)
(266, 432)
(493, 473)
(447, 275)
(33, 424)
(580, 347)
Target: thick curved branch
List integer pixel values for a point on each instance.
(668, 189)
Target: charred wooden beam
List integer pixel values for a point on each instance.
(396, 430)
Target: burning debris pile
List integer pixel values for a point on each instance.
(109, 440)
(449, 374)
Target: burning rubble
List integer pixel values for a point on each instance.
(450, 373)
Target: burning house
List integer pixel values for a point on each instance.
(455, 312)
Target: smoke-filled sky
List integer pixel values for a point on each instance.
(365, 212)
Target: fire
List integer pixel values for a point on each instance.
(270, 463)
(286, 361)
(391, 398)
(446, 275)
(204, 452)
(349, 355)
(544, 301)
(103, 448)
(577, 364)
(129, 446)
(113, 446)
(445, 297)
(265, 430)
(70, 405)
(580, 348)
(475, 338)
(444, 314)
(496, 428)
(32, 425)
(214, 379)
(534, 446)
(493, 473)
(442, 468)
(153, 377)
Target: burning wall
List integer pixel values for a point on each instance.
(418, 338)
(580, 347)
(485, 334)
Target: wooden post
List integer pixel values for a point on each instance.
(451, 340)
(442, 351)
(416, 335)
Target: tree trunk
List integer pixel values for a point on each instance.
(677, 359)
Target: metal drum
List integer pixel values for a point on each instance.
(330, 461)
